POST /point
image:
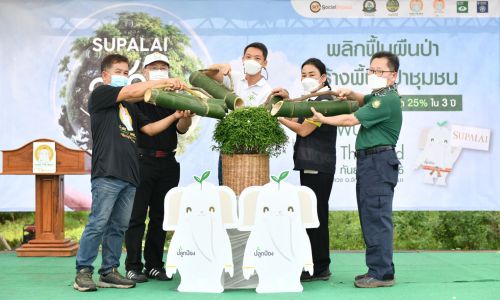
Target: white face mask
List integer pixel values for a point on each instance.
(251, 67)
(158, 74)
(310, 84)
(375, 82)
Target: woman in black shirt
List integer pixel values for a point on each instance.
(314, 156)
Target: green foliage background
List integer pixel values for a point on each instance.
(413, 230)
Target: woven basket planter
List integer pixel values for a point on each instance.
(243, 170)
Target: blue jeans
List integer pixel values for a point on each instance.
(112, 201)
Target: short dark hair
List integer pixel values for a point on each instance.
(257, 45)
(391, 58)
(318, 64)
(111, 59)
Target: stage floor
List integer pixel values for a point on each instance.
(419, 275)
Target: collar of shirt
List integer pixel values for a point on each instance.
(259, 83)
(384, 91)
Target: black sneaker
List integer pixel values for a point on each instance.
(158, 274)
(325, 275)
(115, 280)
(136, 276)
(83, 281)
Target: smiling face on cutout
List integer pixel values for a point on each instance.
(201, 203)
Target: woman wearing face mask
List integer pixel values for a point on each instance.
(314, 156)
(251, 86)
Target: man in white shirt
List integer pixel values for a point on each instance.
(251, 86)
(254, 89)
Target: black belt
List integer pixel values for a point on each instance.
(156, 153)
(373, 150)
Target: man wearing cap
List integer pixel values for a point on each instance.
(115, 124)
(159, 173)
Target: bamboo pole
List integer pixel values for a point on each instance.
(176, 101)
(271, 100)
(303, 109)
(202, 94)
(216, 89)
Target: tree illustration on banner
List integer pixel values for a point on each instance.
(81, 68)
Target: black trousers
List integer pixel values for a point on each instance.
(158, 176)
(321, 184)
(376, 177)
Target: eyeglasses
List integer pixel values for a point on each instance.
(377, 72)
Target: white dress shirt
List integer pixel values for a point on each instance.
(253, 95)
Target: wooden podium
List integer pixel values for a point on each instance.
(49, 210)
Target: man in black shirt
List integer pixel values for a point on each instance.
(115, 124)
(159, 173)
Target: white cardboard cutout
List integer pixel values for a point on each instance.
(200, 247)
(278, 248)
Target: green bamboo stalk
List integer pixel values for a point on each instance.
(204, 96)
(176, 101)
(220, 102)
(303, 109)
(270, 102)
(216, 89)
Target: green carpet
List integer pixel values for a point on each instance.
(419, 275)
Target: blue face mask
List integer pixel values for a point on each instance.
(118, 80)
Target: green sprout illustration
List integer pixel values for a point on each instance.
(283, 175)
(441, 124)
(203, 177)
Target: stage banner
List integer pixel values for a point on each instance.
(449, 81)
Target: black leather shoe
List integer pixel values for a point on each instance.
(325, 275)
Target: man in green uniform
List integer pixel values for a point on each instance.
(380, 117)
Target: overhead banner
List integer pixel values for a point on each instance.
(449, 80)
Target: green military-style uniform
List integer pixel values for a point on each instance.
(377, 175)
(381, 120)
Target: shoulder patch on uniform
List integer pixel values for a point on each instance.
(376, 103)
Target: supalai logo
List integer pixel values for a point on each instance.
(392, 5)
(315, 6)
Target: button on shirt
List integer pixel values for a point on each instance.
(253, 95)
